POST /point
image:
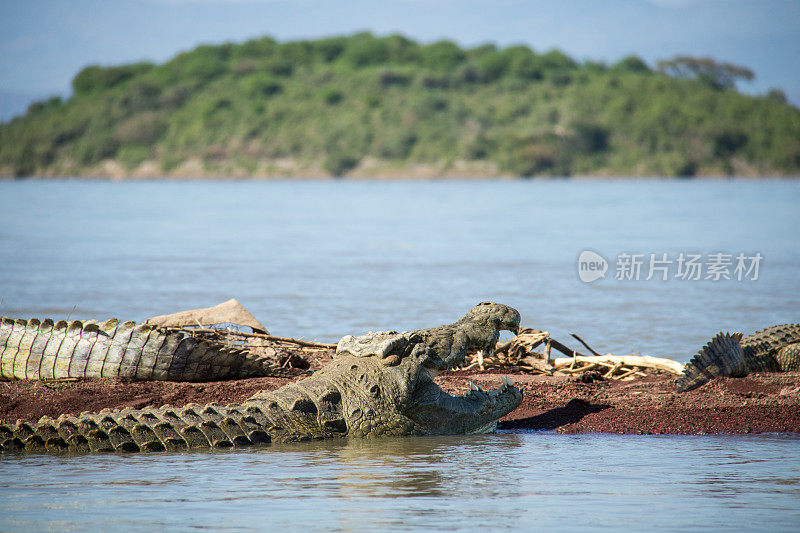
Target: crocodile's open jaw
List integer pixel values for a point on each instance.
(505, 383)
(476, 411)
(506, 391)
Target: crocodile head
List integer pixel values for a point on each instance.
(434, 410)
(446, 347)
(498, 316)
(377, 398)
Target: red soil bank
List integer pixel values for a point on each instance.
(754, 404)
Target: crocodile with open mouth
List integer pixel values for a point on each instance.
(380, 384)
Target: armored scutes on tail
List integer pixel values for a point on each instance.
(34, 349)
(722, 356)
(355, 395)
(132, 430)
(774, 349)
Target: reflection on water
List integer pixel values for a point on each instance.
(471, 483)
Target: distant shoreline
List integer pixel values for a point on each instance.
(370, 169)
(393, 177)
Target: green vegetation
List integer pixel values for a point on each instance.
(369, 105)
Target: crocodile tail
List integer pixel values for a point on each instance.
(34, 349)
(131, 430)
(294, 412)
(722, 356)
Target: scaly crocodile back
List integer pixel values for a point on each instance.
(764, 349)
(729, 355)
(34, 349)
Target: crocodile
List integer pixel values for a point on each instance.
(375, 392)
(774, 349)
(48, 349)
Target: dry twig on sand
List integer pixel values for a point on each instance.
(519, 353)
(645, 362)
(244, 334)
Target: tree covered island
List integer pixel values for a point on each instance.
(372, 106)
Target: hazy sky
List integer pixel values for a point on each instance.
(43, 43)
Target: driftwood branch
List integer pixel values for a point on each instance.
(642, 361)
(274, 338)
(566, 350)
(584, 343)
(518, 352)
(503, 348)
(527, 338)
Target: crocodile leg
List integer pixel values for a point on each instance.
(788, 357)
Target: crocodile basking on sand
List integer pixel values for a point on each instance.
(775, 349)
(46, 349)
(380, 384)
(155, 350)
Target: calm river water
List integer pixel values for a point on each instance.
(323, 259)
